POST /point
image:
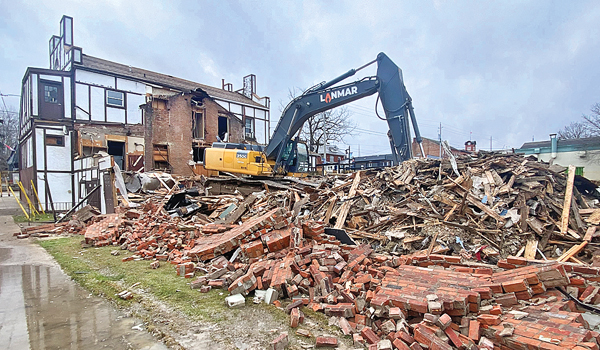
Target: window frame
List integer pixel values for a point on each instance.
(46, 95)
(195, 125)
(56, 137)
(251, 121)
(109, 104)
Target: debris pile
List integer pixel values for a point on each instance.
(485, 253)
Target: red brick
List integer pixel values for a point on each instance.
(326, 341)
(517, 285)
(474, 330)
(280, 342)
(490, 320)
(407, 338)
(453, 337)
(516, 261)
(369, 335)
(400, 345)
(294, 317)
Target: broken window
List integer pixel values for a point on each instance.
(55, 140)
(198, 125)
(223, 132)
(115, 98)
(198, 154)
(158, 103)
(161, 157)
(249, 128)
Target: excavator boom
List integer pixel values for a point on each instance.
(281, 155)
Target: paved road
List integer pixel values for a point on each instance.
(41, 308)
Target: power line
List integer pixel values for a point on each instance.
(2, 96)
(10, 95)
(8, 112)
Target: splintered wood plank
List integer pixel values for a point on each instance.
(362, 234)
(594, 217)
(589, 234)
(432, 243)
(572, 252)
(450, 213)
(341, 219)
(579, 222)
(520, 252)
(531, 249)
(536, 225)
(564, 220)
(484, 208)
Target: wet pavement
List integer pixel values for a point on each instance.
(41, 308)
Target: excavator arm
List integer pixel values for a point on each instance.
(284, 156)
(396, 102)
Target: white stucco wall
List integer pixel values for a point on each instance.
(589, 160)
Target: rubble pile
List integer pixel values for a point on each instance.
(501, 204)
(483, 253)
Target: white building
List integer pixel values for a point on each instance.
(583, 153)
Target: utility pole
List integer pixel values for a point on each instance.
(490, 143)
(440, 136)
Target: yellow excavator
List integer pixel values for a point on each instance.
(286, 156)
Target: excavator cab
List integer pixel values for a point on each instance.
(295, 158)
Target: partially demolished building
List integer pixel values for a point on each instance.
(144, 120)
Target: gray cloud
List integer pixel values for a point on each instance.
(509, 70)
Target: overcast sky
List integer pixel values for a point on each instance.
(512, 71)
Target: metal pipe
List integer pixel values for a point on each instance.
(349, 73)
(554, 143)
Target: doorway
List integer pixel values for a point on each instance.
(223, 129)
(51, 99)
(117, 150)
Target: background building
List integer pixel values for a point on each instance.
(583, 153)
(84, 105)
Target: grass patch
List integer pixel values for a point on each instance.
(104, 274)
(48, 217)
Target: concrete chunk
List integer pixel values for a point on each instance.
(235, 300)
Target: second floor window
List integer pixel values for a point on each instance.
(115, 98)
(249, 128)
(50, 94)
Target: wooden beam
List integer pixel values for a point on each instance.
(572, 252)
(341, 219)
(484, 208)
(589, 234)
(531, 249)
(329, 209)
(564, 220)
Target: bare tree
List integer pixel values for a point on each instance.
(592, 121)
(589, 127)
(9, 134)
(575, 130)
(326, 127)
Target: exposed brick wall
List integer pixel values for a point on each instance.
(431, 148)
(173, 126)
(212, 112)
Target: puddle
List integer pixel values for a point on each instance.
(4, 254)
(40, 308)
